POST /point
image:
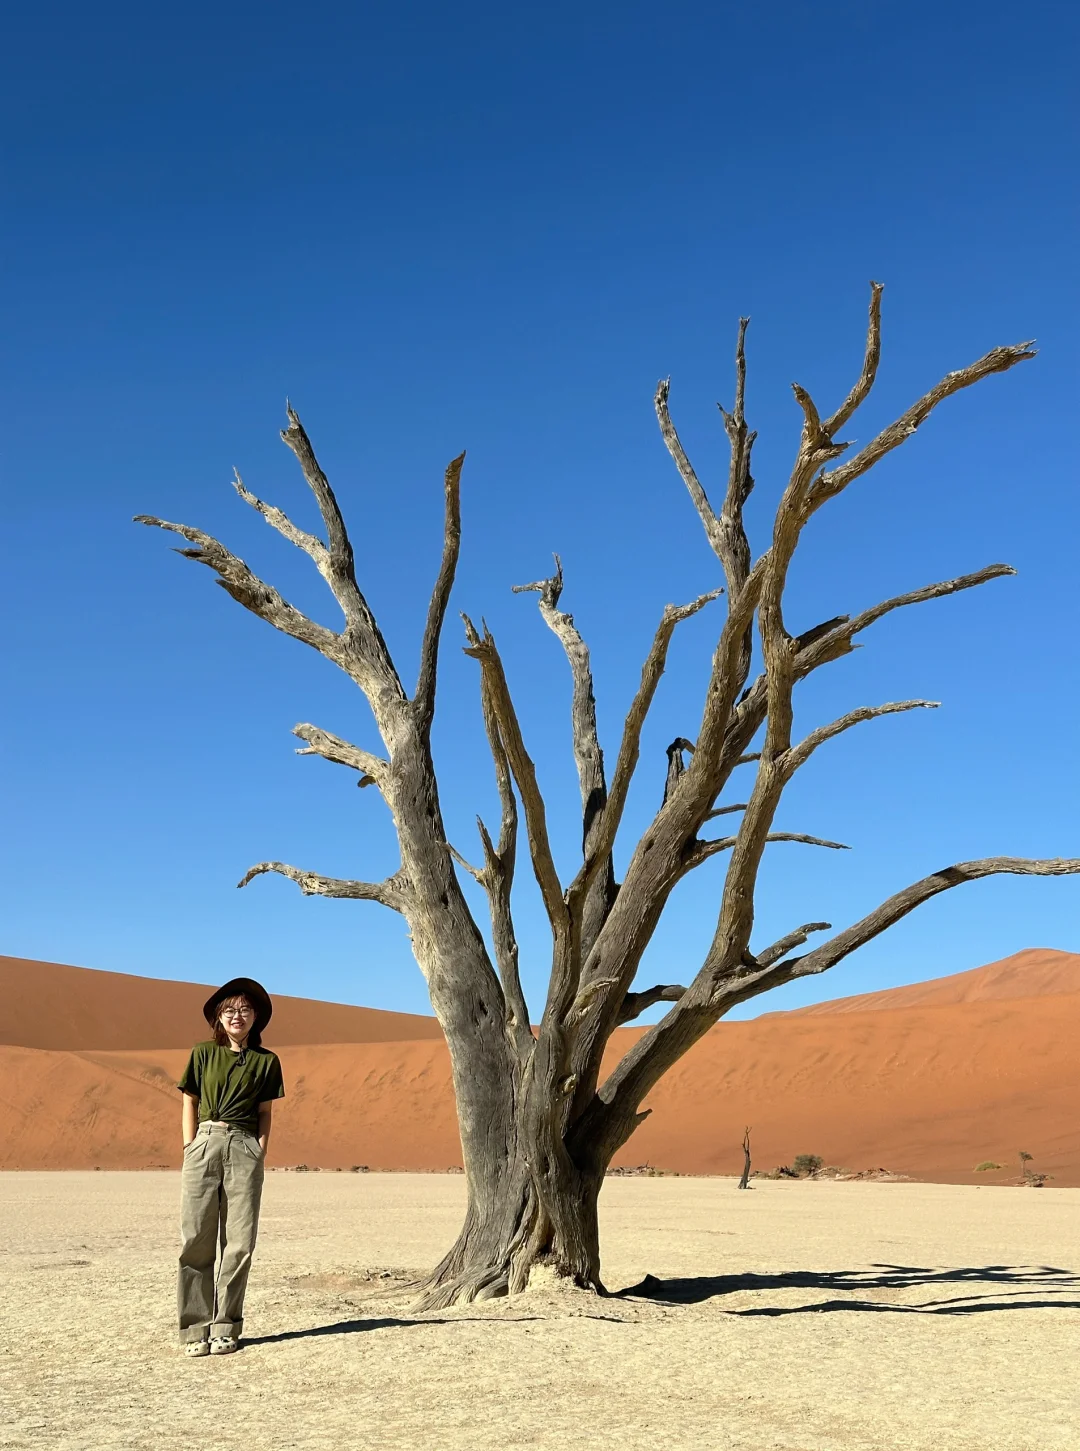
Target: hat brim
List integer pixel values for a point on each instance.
(237, 987)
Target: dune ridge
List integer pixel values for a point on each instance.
(51, 1005)
(1035, 972)
(982, 1066)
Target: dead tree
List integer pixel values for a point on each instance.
(744, 1182)
(538, 1126)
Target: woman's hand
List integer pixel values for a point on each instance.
(266, 1111)
(189, 1119)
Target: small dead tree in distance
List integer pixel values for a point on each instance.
(538, 1127)
(744, 1181)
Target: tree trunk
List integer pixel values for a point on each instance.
(519, 1218)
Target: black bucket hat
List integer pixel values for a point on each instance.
(241, 987)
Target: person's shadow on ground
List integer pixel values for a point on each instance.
(361, 1327)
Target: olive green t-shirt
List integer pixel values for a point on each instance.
(230, 1086)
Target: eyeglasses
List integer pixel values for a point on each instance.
(232, 1013)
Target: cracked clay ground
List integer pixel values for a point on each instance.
(793, 1317)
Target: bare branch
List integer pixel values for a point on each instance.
(497, 880)
(594, 905)
(634, 1004)
(726, 534)
(507, 848)
(371, 662)
(391, 893)
(286, 528)
(811, 417)
(494, 679)
(701, 851)
(784, 944)
(903, 902)
(730, 720)
(800, 753)
(360, 650)
(818, 632)
(833, 638)
(713, 532)
(373, 768)
(613, 1116)
(247, 589)
(726, 810)
(740, 483)
(587, 753)
(997, 360)
(497, 877)
(861, 391)
(440, 597)
(630, 746)
(340, 550)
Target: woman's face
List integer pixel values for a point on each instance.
(237, 1017)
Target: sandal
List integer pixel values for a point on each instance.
(195, 1348)
(224, 1345)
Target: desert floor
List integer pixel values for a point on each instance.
(800, 1316)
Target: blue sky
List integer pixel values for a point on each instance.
(494, 228)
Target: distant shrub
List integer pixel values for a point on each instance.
(987, 1164)
(807, 1164)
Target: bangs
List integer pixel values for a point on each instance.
(240, 1001)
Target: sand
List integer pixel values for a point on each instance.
(927, 1081)
(930, 1092)
(51, 1005)
(793, 1317)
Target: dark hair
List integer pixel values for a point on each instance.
(221, 1038)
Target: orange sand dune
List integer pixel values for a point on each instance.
(47, 1005)
(1035, 973)
(926, 1091)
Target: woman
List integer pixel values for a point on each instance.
(229, 1088)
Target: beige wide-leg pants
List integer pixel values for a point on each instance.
(220, 1190)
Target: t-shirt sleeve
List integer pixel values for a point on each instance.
(273, 1084)
(191, 1080)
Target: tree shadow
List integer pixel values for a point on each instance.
(995, 1287)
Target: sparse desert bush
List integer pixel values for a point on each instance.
(806, 1164)
(987, 1164)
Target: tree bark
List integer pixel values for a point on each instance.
(521, 1214)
